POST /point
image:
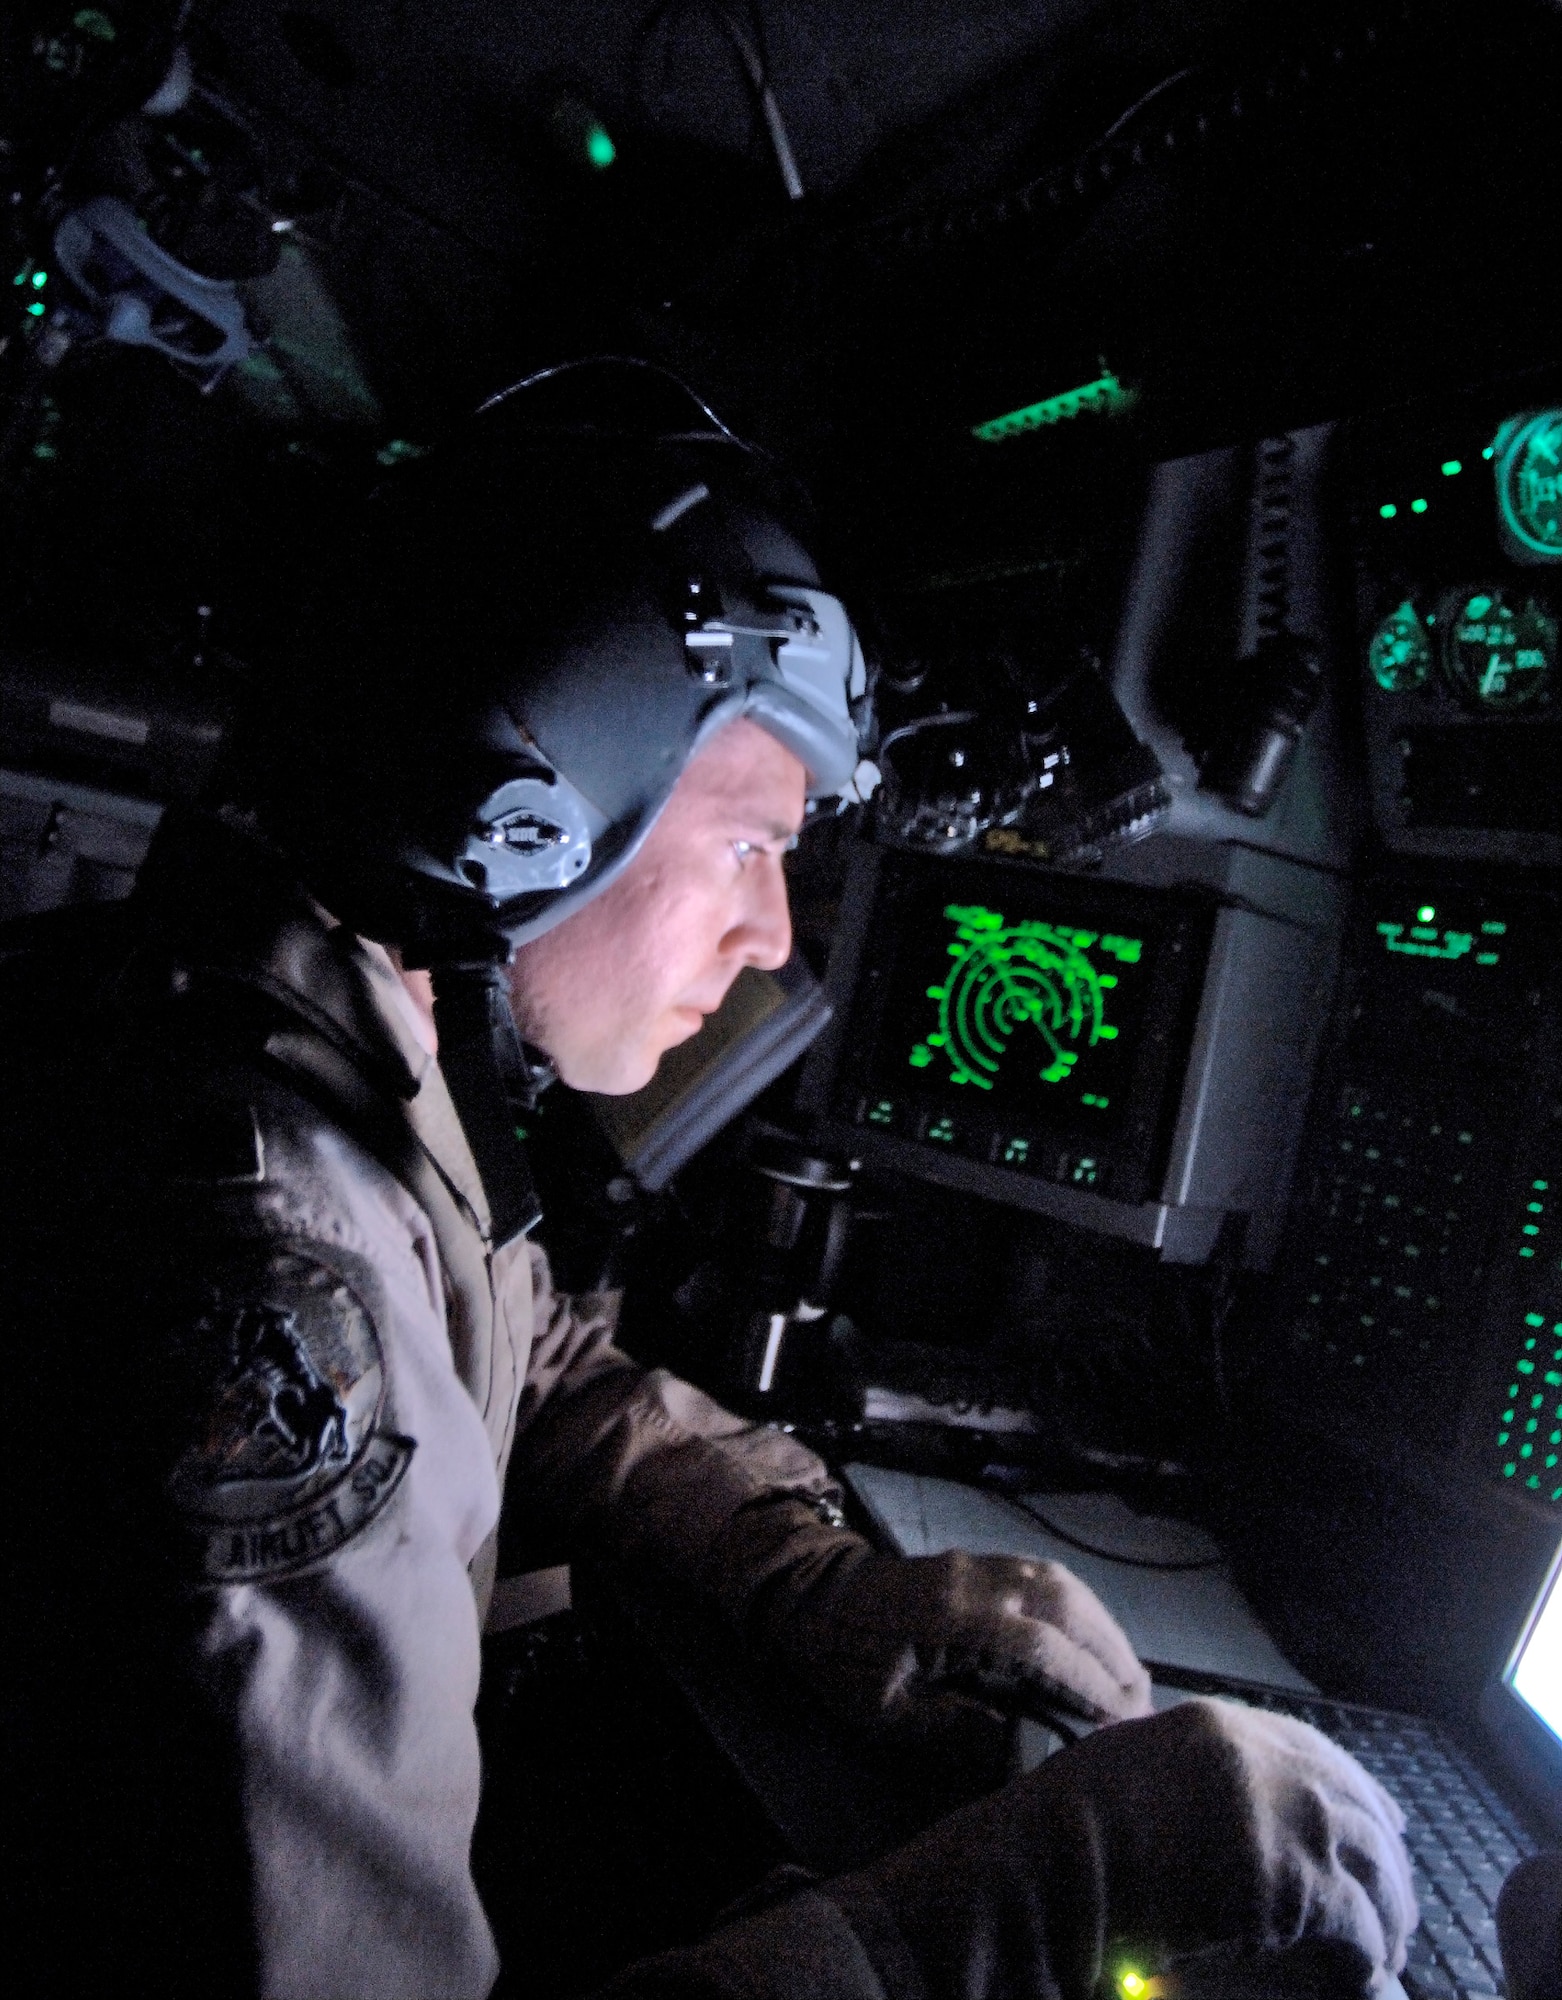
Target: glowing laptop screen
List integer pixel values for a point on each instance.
(1535, 1672)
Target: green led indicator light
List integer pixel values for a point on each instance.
(1105, 396)
(1418, 506)
(1534, 1319)
(1540, 1187)
(37, 309)
(1489, 452)
(1450, 467)
(399, 450)
(40, 279)
(1388, 510)
(600, 150)
(1425, 914)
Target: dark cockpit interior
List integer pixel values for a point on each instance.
(1151, 1156)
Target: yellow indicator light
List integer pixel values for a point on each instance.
(1133, 1985)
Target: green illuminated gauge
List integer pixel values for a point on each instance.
(1529, 485)
(1400, 655)
(1499, 650)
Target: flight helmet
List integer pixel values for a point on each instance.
(536, 629)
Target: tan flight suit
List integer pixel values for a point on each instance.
(370, 1377)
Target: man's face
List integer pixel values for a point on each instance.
(609, 991)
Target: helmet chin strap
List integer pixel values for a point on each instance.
(493, 1078)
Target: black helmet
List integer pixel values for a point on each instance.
(537, 628)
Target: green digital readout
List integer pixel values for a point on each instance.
(1499, 650)
(1529, 484)
(1399, 657)
(1426, 937)
(1029, 994)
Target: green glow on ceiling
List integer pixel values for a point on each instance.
(1450, 467)
(1388, 510)
(1104, 397)
(1418, 506)
(1009, 980)
(600, 150)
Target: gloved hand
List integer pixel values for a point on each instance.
(906, 1646)
(1210, 1825)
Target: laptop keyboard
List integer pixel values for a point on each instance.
(1462, 1839)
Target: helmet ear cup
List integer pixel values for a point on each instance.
(532, 834)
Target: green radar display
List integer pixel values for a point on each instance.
(1025, 1004)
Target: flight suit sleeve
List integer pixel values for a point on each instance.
(331, 1480)
(651, 1468)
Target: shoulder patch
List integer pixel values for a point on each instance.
(287, 1460)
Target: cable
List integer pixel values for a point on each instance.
(1110, 1555)
(750, 50)
(1139, 104)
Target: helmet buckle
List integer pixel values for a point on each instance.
(708, 657)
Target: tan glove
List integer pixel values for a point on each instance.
(918, 1647)
(892, 1643)
(1209, 1831)
(1212, 1825)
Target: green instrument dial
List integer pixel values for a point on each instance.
(1499, 650)
(1529, 485)
(1400, 655)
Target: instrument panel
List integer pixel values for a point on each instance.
(1456, 530)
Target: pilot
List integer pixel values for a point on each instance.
(517, 805)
